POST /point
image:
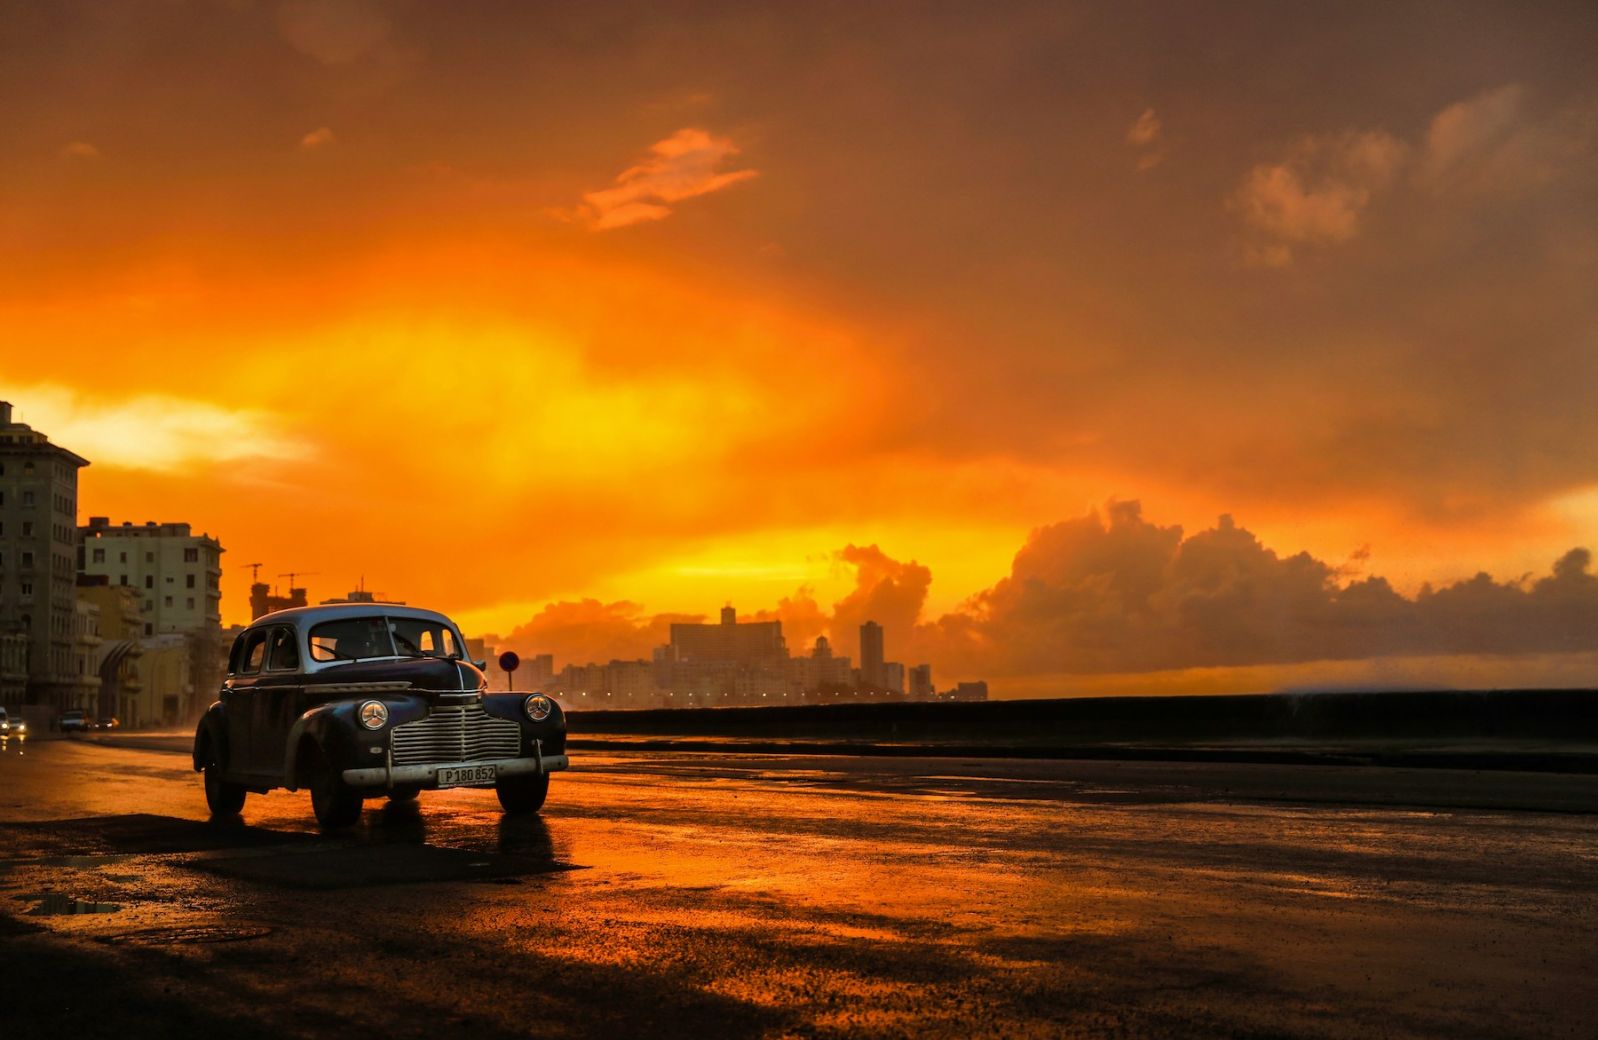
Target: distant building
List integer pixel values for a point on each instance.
(920, 683)
(264, 601)
(177, 573)
(893, 677)
(361, 595)
(120, 647)
(38, 539)
(821, 669)
(871, 659)
(168, 686)
(177, 576)
(726, 663)
(966, 691)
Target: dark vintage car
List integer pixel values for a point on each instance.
(359, 701)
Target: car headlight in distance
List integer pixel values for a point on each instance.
(538, 707)
(374, 714)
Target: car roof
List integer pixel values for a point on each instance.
(301, 617)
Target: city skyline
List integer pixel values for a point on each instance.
(369, 289)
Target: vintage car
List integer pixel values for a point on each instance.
(366, 700)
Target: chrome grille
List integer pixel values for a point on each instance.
(456, 734)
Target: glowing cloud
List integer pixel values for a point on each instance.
(318, 138)
(1317, 193)
(683, 166)
(153, 431)
(80, 150)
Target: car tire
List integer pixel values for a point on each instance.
(335, 803)
(403, 794)
(223, 798)
(523, 794)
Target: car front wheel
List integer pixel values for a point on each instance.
(223, 798)
(523, 794)
(335, 803)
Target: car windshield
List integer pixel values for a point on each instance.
(360, 638)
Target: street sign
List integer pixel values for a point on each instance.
(509, 661)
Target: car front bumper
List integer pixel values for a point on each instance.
(427, 774)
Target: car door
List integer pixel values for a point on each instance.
(277, 697)
(238, 704)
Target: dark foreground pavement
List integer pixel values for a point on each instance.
(727, 895)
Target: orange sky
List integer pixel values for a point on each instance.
(497, 306)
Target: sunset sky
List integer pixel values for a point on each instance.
(505, 306)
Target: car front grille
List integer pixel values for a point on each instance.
(456, 734)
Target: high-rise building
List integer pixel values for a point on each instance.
(921, 688)
(893, 677)
(38, 536)
(726, 663)
(176, 573)
(871, 659)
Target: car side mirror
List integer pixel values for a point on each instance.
(482, 666)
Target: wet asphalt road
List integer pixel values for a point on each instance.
(726, 895)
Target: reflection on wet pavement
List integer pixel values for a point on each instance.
(745, 898)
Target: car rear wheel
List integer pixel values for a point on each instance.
(223, 798)
(523, 794)
(335, 803)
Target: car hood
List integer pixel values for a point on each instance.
(422, 673)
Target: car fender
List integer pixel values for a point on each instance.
(212, 730)
(315, 724)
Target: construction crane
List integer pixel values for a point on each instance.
(255, 572)
(291, 575)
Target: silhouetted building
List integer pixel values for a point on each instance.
(264, 601)
(726, 663)
(120, 647)
(871, 660)
(966, 691)
(38, 568)
(820, 669)
(893, 677)
(920, 683)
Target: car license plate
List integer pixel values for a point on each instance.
(466, 776)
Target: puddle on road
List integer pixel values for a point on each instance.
(53, 904)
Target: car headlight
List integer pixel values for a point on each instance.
(538, 707)
(374, 714)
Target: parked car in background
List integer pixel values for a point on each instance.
(74, 720)
(11, 727)
(358, 701)
(108, 724)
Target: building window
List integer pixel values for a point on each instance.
(149, 604)
(149, 581)
(123, 558)
(149, 557)
(99, 556)
(27, 498)
(191, 556)
(191, 602)
(27, 588)
(190, 580)
(149, 629)
(27, 559)
(169, 601)
(124, 579)
(27, 528)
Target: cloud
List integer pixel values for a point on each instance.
(317, 138)
(589, 631)
(155, 432)
(80, 150)
(1144, 136)
(1318, 192)
(683, 166)
(334, 32)
(1111, 593)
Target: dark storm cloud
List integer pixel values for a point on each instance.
(1112, 592)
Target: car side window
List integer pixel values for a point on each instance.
(254, 652)
(235, 656)
(285, 652)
